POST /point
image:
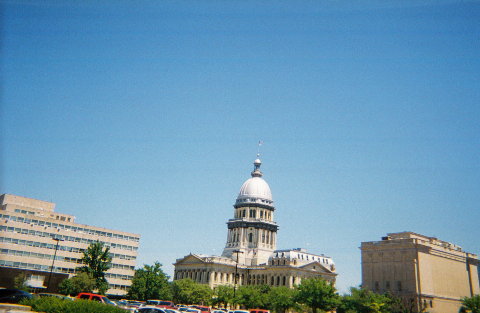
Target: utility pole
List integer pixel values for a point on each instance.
(236, 275)
(53, 261)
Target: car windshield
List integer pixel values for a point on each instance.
(106, 300)
(154, 302)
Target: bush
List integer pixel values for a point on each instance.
(57, 305)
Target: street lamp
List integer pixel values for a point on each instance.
(53, 261)
(236, 269)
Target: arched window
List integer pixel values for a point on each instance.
(250, 237)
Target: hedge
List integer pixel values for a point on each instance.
(57, 305)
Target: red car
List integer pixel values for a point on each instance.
(94, 297)
(202, 308)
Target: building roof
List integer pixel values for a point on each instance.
(255, 188)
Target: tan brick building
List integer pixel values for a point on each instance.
(427, 273)
(27, 229)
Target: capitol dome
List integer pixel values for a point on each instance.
(255, 189)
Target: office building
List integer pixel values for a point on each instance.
(425, 272)
(31, 233)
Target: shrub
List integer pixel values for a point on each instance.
(57, 305)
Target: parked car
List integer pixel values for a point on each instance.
(150, 309)
(162, 304)
(13, 295)
(259, 311)
(204, 309)
(55, 295)
(95, 297)
(172, 310)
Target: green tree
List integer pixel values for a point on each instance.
(223, 296)
(97, 261)
(471, 304)
(252, 296)
(56, 305)
(82, 282)
(150, 282)
(317, 294)
(365, 301)
(189, 292)
(20, 282)
(281, 299)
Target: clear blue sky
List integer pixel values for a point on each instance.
(143, 116)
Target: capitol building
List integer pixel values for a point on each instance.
(251, 247)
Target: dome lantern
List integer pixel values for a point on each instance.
(256, 168)
(255, 189)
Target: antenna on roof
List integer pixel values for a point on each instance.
(260, 143)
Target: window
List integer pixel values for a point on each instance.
(377, 285)
(250, 237)
(399, 286)
(387, 285)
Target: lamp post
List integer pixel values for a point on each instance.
(236, 269)
(53, 261)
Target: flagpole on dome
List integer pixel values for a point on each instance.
(260, 143)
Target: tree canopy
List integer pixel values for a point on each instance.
(20, 282)
(150, 282)
(82, 282)
(471, 304)
(365, 301)
(189, 292)
(97, 261)
(281, 299)
(317, 293)
(223, 296)
(252, 296)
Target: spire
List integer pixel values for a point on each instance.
(256, 164)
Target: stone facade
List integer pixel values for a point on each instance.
(427, 273)
(250, 250)
(27, 229)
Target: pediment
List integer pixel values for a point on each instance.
(190, 259)
(317, 267)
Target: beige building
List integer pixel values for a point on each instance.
(250, 249)
(427, 273)
(28, 229)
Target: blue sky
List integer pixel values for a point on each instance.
(144, 117)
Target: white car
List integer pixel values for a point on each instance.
(150, 309)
